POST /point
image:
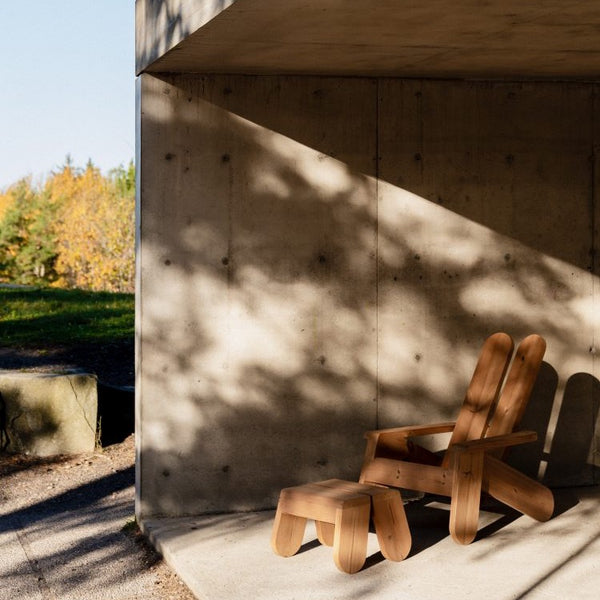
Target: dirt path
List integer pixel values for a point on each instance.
(68, 525)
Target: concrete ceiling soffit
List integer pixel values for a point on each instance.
(406, 38)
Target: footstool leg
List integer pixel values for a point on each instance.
(325, 532)
(351, 535)
(288, 531)
(391, 525)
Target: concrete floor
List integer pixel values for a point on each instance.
(228, 556)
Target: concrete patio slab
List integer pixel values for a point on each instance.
(228, 556)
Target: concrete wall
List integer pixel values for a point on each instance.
(321, 256)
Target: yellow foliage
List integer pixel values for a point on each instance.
(94, 231)
(76, 231)
(6, 200)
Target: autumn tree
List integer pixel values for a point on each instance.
(94, 228)
(76, 230)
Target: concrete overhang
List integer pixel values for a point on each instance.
(538, 39)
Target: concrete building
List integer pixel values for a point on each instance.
(338, 201)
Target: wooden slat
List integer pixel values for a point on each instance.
(352, 487)
(483, 390)
(391, 525)
(517, 389)
(314, 501)
(288, 531)
(517, 490)
(498, 442)
(370, 450)
(325, 532)
(397, 443)
(414, 430)
(351, 535)
(466, 495)
(412, 476)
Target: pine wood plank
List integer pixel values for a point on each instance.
(517, 490)
(314, 501)
(483, 390)
(288, 531)
(466, 494)
(488, 444)
(411, 476)
(325, 532)
(517, 388)
(351, 535)
(391, 525)
(414, 430)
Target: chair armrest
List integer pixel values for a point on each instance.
(496, 442)
(413, 430)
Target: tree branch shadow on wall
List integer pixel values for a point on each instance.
(167, 17)
(294, 255)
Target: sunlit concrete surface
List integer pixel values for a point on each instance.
(228, 556)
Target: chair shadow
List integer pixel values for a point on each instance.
(527, 458)
(564, 499)
(429, 520)
(373, 560)
(309, 546)
(568, 462)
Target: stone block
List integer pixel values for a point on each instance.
(46, 413)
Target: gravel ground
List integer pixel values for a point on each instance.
(74, 521)
(89, 498)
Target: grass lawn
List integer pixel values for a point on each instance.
(51, 317)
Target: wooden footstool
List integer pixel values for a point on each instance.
(342, 511)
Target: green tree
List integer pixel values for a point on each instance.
(124, 179)
(27, 245)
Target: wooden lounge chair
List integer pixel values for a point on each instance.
(484, 429)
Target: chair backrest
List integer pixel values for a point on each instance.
(487, 411)
(482, 393)
(518, 387)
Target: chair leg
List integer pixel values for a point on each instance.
(288, 532)
(517, 490)
(351, 535)
(325, 532)
(391, 525)
(467, 478)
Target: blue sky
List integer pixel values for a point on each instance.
(67, 85)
